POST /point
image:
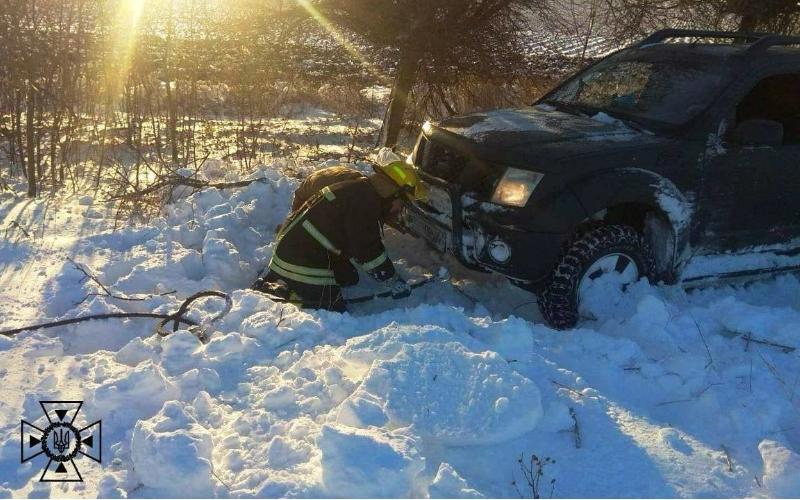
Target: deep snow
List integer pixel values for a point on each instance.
(438, 395)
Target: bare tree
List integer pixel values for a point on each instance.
(445, 36)
(780, 16)
(629, 19)
(579, 20)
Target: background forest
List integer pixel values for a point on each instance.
(151, 86)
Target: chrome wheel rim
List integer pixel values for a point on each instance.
(622, 265)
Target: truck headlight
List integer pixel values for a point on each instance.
(516, 187)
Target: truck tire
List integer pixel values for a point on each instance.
(594, 253)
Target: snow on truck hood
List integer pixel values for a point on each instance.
(541, 122)
(512, 136)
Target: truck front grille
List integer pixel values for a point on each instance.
(441, 162)
(470, 174)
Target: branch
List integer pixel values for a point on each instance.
(486, 11)
(52, 324)
(173, 181)
(281, 319)
(281, 346)
(703, 337)
(576, 429)
(727, 457)
(570, 389)
(693, 396)
(177, 317)
(4, 185)
(108, 293)
(17, 225)
(749, 338)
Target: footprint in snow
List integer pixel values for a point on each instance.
(673, 439)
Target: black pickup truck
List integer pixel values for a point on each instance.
(684, 145)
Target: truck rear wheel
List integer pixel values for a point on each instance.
(596, 253)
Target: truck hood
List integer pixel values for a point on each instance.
(537, 133)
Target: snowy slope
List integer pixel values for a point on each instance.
(439, 395)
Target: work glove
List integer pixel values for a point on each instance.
(398, 287)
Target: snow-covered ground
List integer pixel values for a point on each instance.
(448, 393)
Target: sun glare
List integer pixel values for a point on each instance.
(340, 39)
(126, 24)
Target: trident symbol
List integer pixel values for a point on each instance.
(61, 439)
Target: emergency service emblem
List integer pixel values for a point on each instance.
(61, 441)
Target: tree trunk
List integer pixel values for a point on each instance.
(30, 139)
(404, 81)
(17, 152)
(172, 106)
(748, 22)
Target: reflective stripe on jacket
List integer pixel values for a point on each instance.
(339, 221)
(310, 275)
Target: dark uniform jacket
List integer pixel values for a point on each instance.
(339, 221)
(319, 179)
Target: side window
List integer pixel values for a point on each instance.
(776, 98)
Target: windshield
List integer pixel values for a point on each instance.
(668, 92)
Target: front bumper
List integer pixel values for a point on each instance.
(474, 233)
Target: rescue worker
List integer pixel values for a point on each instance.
(344, 271)
(319, 179)
(341, 221)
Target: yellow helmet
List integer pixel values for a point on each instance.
(406, 176)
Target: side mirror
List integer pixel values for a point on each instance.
(758, 132)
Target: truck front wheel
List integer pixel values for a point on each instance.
(597, 253)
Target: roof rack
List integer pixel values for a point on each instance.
(772, 40)
(759, 41)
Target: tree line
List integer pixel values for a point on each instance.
(80, 77)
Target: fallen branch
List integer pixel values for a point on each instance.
(748, 338)
(703, 338)
(675, 401)
(789, 393)
(221, 481)
(281, 346)
(63, 322)
(575, 429)
(15, 224)
(570, 389)
(87, 276)
(785, 429)
(693, 396)
(173, 181)
(108, 293)
(281, 318)
(177, 317)
(697, 326)
(727, 457)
